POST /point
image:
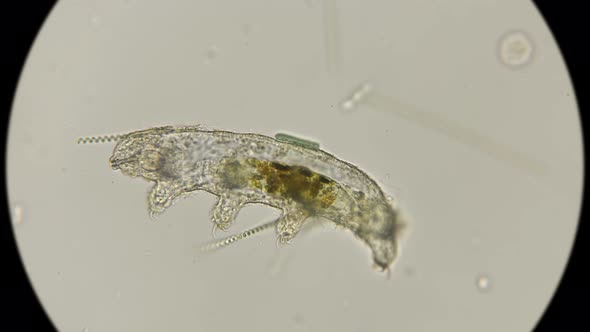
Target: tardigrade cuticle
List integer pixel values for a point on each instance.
(243, 168)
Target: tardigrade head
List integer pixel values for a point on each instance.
(138, 154)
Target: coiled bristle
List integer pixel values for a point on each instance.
(98, 139)
(215, 245)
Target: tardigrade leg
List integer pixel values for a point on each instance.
(161, 197)
(290, 223)
(226, 210)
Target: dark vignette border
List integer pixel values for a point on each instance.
(567, 21)
(22, 20)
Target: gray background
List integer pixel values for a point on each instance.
(98, 263)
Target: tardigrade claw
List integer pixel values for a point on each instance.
(285, 238)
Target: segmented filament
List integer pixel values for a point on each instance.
(98, 139)
(215, 245)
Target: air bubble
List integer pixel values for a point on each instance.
(347, 105)
(18, 214)
(357, 97)
(483, 283)
(516, 49)
(95, 20)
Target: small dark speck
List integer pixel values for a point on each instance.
(298, 318)
(247, 28)
(410, 271)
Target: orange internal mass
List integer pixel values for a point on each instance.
(312, 190)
